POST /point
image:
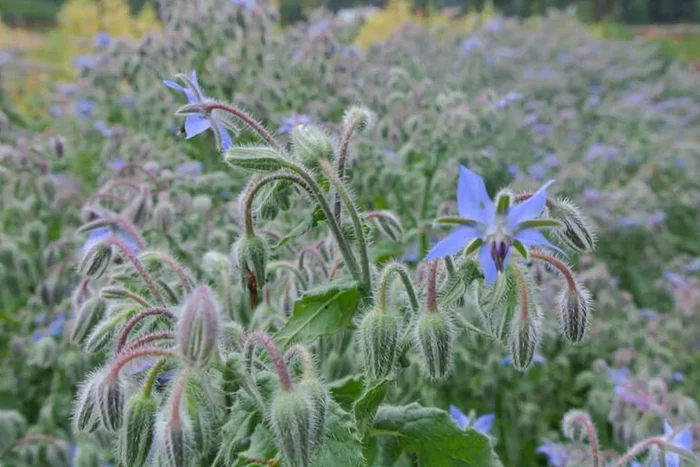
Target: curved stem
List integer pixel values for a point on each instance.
(317, 256)
(176, 267)
(152, 337)
(524, 299)
(263, 340)
(152, 376)
(128, 294)
(560, 266)
(299, 352)
(138, 265)
(134, 321)
(272, 265)
(357, 223)
(177, 397)
(247, 208)
(247, 119)
(592, 436)
(348, 257)
(342, 158)
(30, 439)
(387, 272)
(646, 444)
(120, 362)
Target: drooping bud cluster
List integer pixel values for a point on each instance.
(252, 253)
(89, 315)
(95, 260)
(576, 232)
(380, 334)
(311, 144)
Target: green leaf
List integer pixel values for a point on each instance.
(366, 406)
(262, 446)
(384, 251)
(303, 227)
(433, 436)
(342, 446)
(321, 312)
(347, 390)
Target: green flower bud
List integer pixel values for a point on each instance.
(85, 415)
(136, 434)
(204, 405)
(35, 234)
(361, 117)
(577, 233)
(164, 215)
(310, 144)
(435, 341)
(318, 401)
(525, 330)
(252, 253)
(201, 204)
(110, 402)
(139, 208)
(43, 353)
(214, 263)
(95, 260)
(197, 329)
(254, 158)
(90, 313)
(173, 440)
(87, 455)
(47, 189)
(574, 307)
(291, 421)
(380, 333)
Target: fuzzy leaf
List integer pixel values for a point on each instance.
(347, 390)
(321, 312)
(431, 434)
(365, 408)
(342, 445)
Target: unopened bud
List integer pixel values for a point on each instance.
(86, 455)
(197, 329)
(35, 233)
(43, 353)
(291, 420)
(174, 440)
(112, 292)
(201, 204)
(136, 434)
(110, 402)
(362, 118)
(95, 260)
(574, 307)
(318, 403)
(46, 187)
(390, 225)
(311, 144)
(89, 314)
(164, 215)
(379, 338)
(435, 341)
(252, 253)
(525, 330)
(85, 414)
(576, 232)
(254, 158)
(137, 211)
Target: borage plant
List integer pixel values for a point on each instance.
(295, 365)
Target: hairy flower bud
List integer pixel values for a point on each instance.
(110, 402)
(379, 338)
(164, 215)
(197, 330)
(214, 263)
(89, 314)
(318, 403)
(254, 158)
(311, 144)
(252, 253)
(576, 233)
(574, 306)
(291, 419)
(138, 209)
(435, 342)
(95, 260)
(43, 353)
(173, 440)
(136, 434)
(361, 117)
(86, 455)
(390, 225)
(85, 414)
(201, 204)
(525, 330)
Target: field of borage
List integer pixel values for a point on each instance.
(232, 244)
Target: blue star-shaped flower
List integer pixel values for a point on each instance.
(481, 424)
(494, 229)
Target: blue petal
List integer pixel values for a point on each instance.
(473, 201)
(196, 124)
(673, 460)
(684, 439)
(225, 138)
(454, 242)
(528, 209)
(173, 85)
(533, 237)
(459, 417)
(668, 429)
(488, 266)
(483, 423)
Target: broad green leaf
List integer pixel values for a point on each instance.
(384, 251)
(262, 447)
(342, 446)
(431, 434)
(366, 406)
(347, 390)
(321, 312)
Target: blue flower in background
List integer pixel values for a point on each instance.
(537, 171)
(683, 439)
(103, 129)
(102, 233)
(618, 376)
(54, 329)
(190, 169)
(197, 124)
(247, 5)
(676, 280)
(84, 62)
(116, 164)
(315, 30)
(291, 121)
(481, 424)
(84, 107)
(495, 232)
(555, 452)
(101, 40)
(469, 45)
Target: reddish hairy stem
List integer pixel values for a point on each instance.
(262, 339)
(522, 293)
(155, 336)
(520, 197)
(177, 397)
(317, 256)
(121, 361)
(561, 267)
(135, 320)
(431, 295)
(138, 265)
(342, 158)
(238, 113)
(592, 435)
(30, 439)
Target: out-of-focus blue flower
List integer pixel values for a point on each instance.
(100, 234)
(601, 151)
(692, 267)
(388, 151)
(247, 5)
(469, 45)
(494, 25)
(116, 164)
(681, 162)
(127, 101)
(317, 29)
(5, 57)
(103, 129)
(683, 440)
(678, 376)
(56, 110)
(676, 280)
(656, 219)
(513, 169)
(84, 107)
(537, 171)
(627, 222)
(481, 424)
(556, 453)
(537, 359)
(291, 121)
(352, 52)
(101, 40)
(648, 313)
(591, 196)
(197, 124)
(84, 62)
(54, 329)
(541, 128)
(618, 376)
(530, 119)
(494, 231)
(190, 169)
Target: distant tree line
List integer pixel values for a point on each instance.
(626, 11)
